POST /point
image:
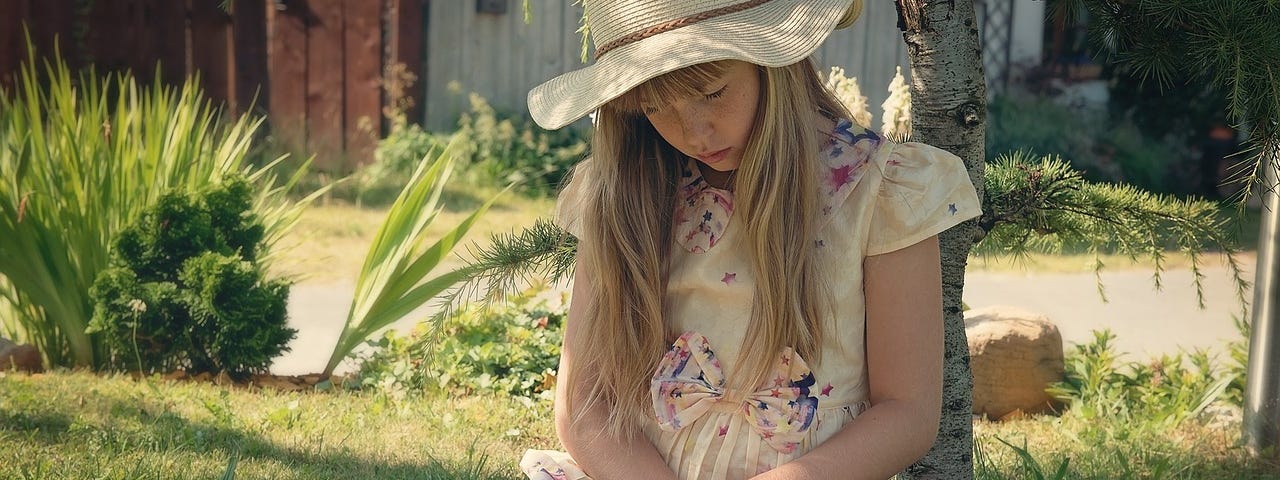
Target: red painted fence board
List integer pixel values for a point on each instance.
(314, 66)
(325, 85)
(287, 71)
(405, 24)
(211, 49)
(363, 75)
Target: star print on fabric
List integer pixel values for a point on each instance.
(826, 391)
(729, 277)
(841, 176)
(706, 217)
(951, 209)
(893, 161)
(819, 243)
(775, 393)
(836, 152)
(724, 430)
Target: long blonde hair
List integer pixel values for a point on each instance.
(627, 236)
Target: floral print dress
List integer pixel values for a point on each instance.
(875, 197)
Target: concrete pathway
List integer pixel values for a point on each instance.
(1147, 322)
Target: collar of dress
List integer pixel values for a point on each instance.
(703, 212)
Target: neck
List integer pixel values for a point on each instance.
(718, 179)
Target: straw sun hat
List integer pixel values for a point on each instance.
(636, 40)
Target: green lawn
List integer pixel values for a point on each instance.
(71, 425)
(77, 425)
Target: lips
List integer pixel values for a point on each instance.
(714, 157)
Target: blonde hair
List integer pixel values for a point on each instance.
(627, 236)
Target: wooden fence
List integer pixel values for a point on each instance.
(314, 65)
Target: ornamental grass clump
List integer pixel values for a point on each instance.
(184, 290)
(80, 158)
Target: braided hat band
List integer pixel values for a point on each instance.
(641, 39)
(674, 24)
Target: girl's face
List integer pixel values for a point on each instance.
(714, 126)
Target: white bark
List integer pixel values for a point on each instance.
(948, 94)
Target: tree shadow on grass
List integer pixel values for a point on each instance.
(136, 428)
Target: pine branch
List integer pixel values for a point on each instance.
(543, 252)
(1042, 205)
(1234, 45)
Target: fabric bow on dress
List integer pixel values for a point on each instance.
(689, 383)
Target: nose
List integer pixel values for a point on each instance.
(696, 123)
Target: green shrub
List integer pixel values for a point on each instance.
(503, 149)
(395, 159)
(184, 289)
(512, 349)
(494, 150)
(1159, 394)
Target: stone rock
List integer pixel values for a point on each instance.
(23, 358)
(1015, 355)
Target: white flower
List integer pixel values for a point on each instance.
(897, 108)
(138, 306)
(847, 91)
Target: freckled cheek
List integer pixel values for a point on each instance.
(671, 131)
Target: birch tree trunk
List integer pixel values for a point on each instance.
(948, 110)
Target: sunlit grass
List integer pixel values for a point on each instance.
(79, 425)
(1197, 449)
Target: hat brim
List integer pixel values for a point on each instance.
(775, 34)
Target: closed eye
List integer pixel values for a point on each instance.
(717, 94)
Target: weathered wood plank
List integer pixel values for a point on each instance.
(211, 52)
(362, 117)
(168, 23)
(52, 23)
(448, 42)
(325, 83)
(249, 36)
(111, 37)
(407, 41)
(13, 43)
(287, 72)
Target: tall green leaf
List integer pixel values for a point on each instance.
(394, 280)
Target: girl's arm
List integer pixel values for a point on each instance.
(598, 454)
(904, 364)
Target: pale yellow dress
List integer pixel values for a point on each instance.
(876, 197)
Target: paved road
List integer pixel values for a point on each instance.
(1147, 322)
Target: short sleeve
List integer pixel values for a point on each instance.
(925, 190)
(572, 200)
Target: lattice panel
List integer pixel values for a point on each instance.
(995, 21)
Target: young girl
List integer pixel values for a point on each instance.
(757, 291)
